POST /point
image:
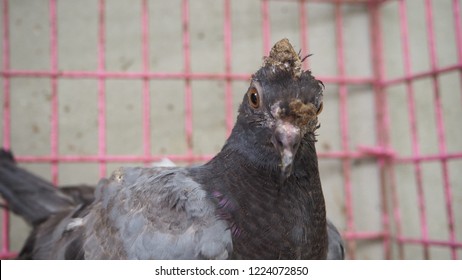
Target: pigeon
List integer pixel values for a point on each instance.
(260, 197)
(83, 195)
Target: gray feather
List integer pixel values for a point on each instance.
(336, 249)
(165, 211)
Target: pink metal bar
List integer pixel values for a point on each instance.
(361, 154)
(458, 29)
(440, 126)
(429, 242)
(424, 74)
(112, 158)
(266, 30)
(382, 121)
(54, 131)
(134, 75)
(413, 126)
(377, 151)
(368, 152)
(101, 87)
(7, 255)
(146, 87)
(89, 158)
(343, 92)
(6, 119)
(6, 80)
(227, 31)
(164, 75)
(187, 70)
(134, 158)
(436, 157)
(357, 235)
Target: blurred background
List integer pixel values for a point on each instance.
(90, 85)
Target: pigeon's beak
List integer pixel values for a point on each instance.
(286, 139)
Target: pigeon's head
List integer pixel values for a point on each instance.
(281, 106)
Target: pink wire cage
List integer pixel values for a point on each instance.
(391, 235)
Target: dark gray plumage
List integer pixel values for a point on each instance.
(259, 198)
(336, 250)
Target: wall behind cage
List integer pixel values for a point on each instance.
(137, 41)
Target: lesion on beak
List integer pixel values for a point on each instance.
(286, 139)
(291, 125)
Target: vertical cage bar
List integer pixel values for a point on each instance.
(54, 92)
(227, 31)
(440, 124)
(458, 30)
(101, 89)
(346, 164)
(266, 30)
(413, 127)
(146, 87)
(187, 72)
(6, 77)
(6, 116)
(386, 171)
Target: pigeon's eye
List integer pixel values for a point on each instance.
(254, 97)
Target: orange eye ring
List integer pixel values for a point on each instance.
(254, 97)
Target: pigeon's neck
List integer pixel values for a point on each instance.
(253, 199)
(261, 168)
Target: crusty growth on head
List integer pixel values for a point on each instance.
(283, 56)
(304, 113)
(296, 94)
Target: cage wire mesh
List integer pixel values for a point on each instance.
(90, 85)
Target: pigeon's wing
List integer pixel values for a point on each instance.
(336, 249)
(144, 213)
(28, 195)
(58, 237)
